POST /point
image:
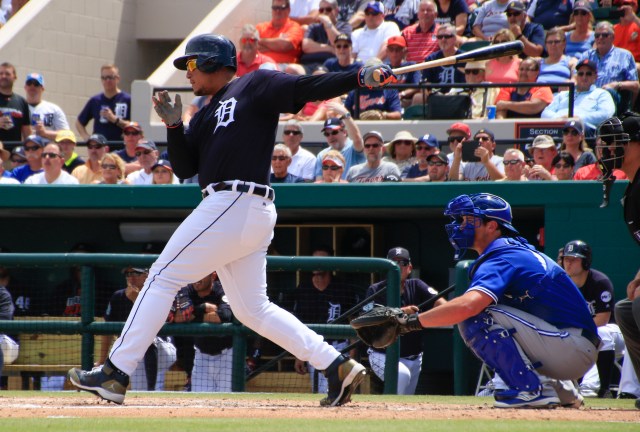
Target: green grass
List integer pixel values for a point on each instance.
(342, 422)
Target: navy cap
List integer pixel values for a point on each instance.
(575, 124)
(333, 123)
(429, 140)
(588, 63)
(146, 144)
(516, 6)
(19, 151)
(487, 132)
(440, 156)
(98, 139)
(631, 126)
(396, 253)
(163, 163)
(36, 140)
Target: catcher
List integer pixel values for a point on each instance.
(521, 315)
(412, 292)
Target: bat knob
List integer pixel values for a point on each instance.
(376, 75)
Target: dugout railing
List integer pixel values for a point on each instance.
(87, 326)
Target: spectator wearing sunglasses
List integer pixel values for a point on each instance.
(524, 102)
(52, 172)
(280, 161)
(581, 38)
(317, 44)
(131, 134)
(109, 110)
(374, 170)
(592, 105)
(503, 69)
(489, 166)
(33, 147)
(46, 117)
(564, 166)
(617, 71)
(530, 34)
(345, 60)
(281, 38)
(475, 73)
(438, 167)
(426, 146)
(249, 58)
(342, 134)
(147, 154)
(370, 41)
(573, 142)
(514, 166)
(91, 171)
(458, 133)
(18, 157)
(556, 66)
(303, 162)
(401, 150)
(397, 51)
(333, 164)
(446, 36)
(112, 167)
(5, 177)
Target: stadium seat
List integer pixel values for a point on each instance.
(468, 46)
(415, 112)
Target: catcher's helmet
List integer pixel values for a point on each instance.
(211, 51)
(610, 147)
(484, 206)
(578, 249)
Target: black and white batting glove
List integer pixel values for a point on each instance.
(169, 112)
(377, 75)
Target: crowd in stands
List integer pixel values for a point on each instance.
(317, 37)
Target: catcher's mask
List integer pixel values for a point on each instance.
(611, 143)
(479, 206)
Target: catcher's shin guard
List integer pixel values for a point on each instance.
(495, 346)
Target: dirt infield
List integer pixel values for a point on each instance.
(219, 406)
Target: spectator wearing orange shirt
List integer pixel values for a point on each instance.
(517, 102)
(626, 34)
(281, 38)
(249, 59)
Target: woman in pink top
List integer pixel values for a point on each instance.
(503, 69)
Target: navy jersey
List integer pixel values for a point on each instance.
(16, 107)
(313, 306)
(211, 345)
(631, 202)
(118, 308)
(598, 292)
(444, 74)
(415, 292)
(232, 137)
(120, 104)
(513, 273)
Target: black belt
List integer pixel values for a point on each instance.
(593, 338)
(259, 190)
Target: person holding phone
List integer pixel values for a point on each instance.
(482, 164)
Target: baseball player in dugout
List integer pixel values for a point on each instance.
(412, 293)
(521, 315)
(618, 147)
(236, 211)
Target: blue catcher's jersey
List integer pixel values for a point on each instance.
(513, 273)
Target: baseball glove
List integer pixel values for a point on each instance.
(182, 303)
(371, 115)
(382, 325)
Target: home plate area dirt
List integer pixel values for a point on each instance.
(219, 406)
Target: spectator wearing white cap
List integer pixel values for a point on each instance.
(66, 139)
(374, 170)
(46, 117)
(543, 150)
(591, 104)
(401, 150)
(52, 172)
(5, 177)
(333, 164)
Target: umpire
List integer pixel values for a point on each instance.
(619, 148)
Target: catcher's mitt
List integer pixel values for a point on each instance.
(381, 326)
(371, 115)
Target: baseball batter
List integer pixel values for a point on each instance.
(229, 144)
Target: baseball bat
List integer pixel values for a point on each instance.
(479, 54)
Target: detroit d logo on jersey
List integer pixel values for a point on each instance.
(224, 113)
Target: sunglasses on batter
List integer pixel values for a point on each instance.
(192, 64)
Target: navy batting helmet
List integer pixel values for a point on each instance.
(578, 249)
(211, 51)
